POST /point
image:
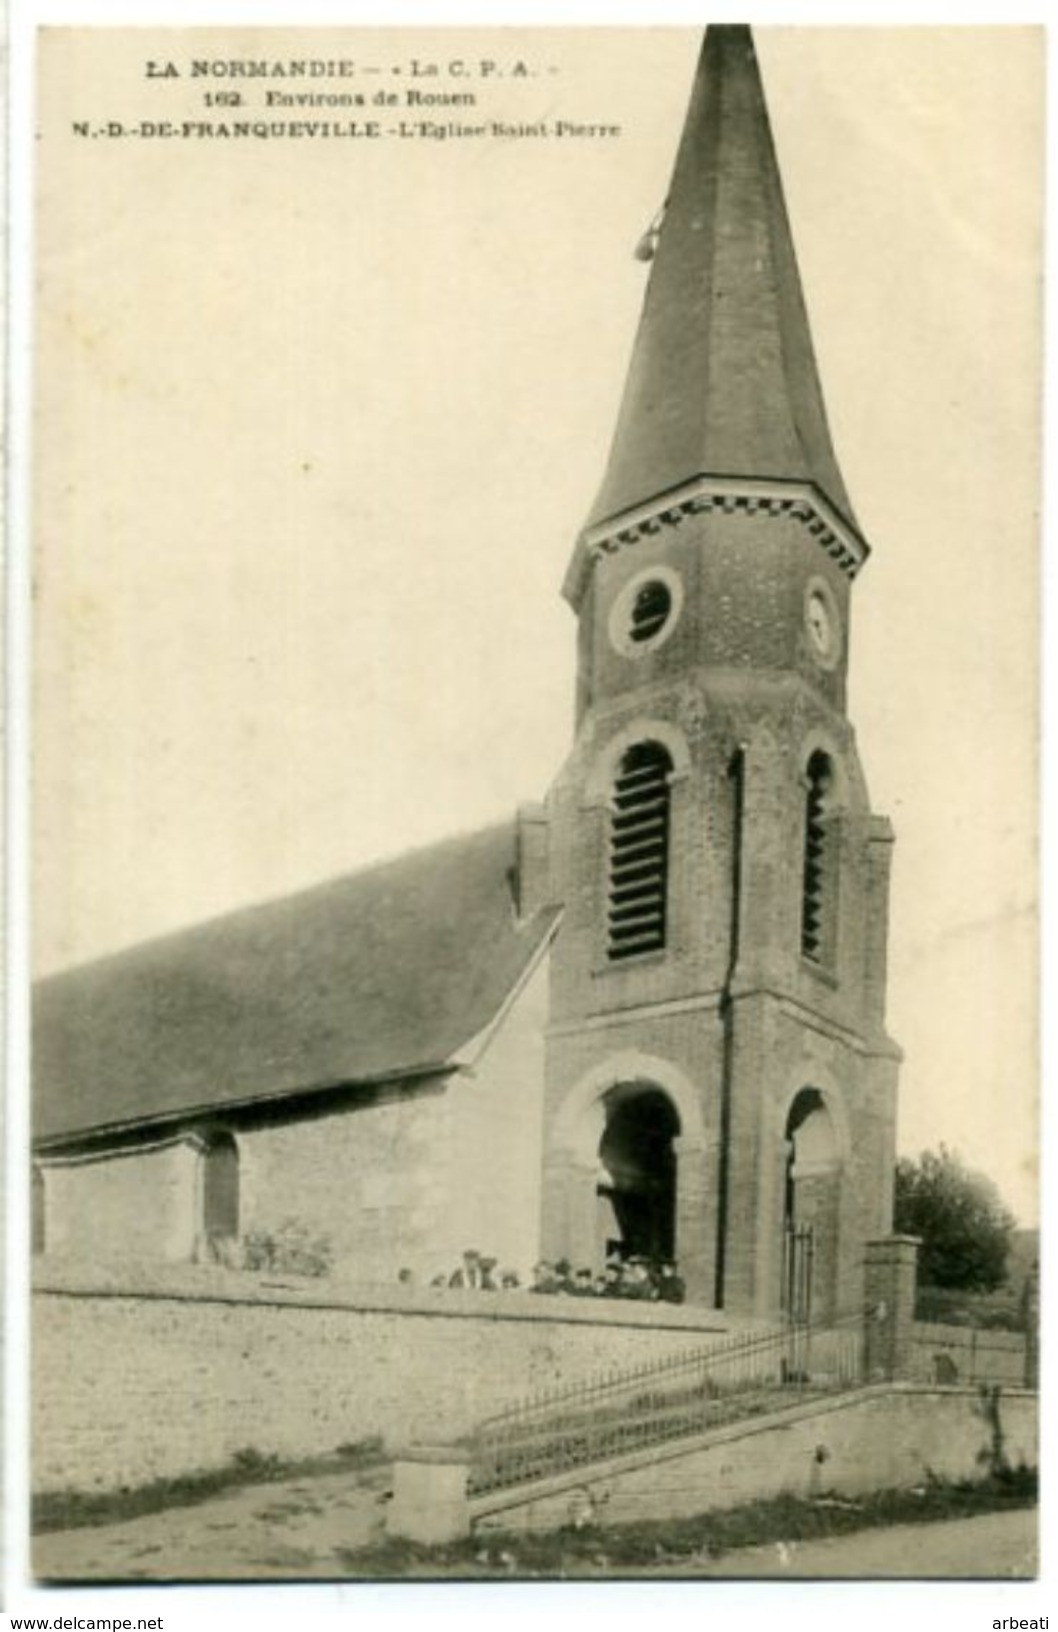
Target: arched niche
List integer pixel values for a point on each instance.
(812, 1207)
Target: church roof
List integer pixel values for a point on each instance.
(386, 972)
(723, 379)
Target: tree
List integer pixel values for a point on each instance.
(960, 1218)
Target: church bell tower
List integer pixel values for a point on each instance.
(720, 1084)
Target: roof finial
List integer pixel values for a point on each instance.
(646, 248)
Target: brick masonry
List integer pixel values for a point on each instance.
(731, 1009)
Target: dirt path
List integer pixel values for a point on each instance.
(290, 1529)
(300, 1529)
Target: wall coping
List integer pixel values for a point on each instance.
(981, 1337)
(455, 1455)
(211, 1283)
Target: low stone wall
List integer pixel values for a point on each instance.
(878, 1438)
(967, 1354)
(157, 1370)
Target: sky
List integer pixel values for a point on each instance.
(318, 424)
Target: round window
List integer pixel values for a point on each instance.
(822, 622)
(650, 611)
(645, 611)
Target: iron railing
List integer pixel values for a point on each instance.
(626, 1410)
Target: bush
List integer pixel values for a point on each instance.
(960, 1219)
(255, 1466)
(290, 1249)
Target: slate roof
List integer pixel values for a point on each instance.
(723, 379)
(385, 972)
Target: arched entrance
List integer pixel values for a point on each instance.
(628, 1166)
(637, 1182)
(811, 1211)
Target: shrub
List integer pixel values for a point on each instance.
(960, 1218)
(290, 1249)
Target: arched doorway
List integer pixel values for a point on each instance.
(811, 1211)
(637, 1183)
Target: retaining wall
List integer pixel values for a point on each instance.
(878, 1438)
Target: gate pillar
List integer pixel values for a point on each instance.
(889, 1312)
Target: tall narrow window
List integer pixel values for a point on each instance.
(38, 1215)
(817, 888)
(220, 1188)
(639, 852)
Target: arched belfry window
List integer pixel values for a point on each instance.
(820, 862)
(220, 1188)
(639, 852)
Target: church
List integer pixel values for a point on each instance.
(646, 1016)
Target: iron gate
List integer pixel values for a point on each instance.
(797, 1268)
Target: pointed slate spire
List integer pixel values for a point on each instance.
(723, 380)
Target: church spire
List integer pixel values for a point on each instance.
(723, 382)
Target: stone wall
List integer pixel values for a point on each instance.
(496, 1118)
(143, 1203)
(415, 1179)
(966, 1354)
(877, 1439)
(139, 1374)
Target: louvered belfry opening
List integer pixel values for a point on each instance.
(818, 861)
(639, 851)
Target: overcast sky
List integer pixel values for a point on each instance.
(319, 423)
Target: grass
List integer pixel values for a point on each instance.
(74, 1509)
(615, 1550)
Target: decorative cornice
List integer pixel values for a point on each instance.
(608, 1019)
(706, 495)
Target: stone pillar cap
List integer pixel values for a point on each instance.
(455, 1452)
